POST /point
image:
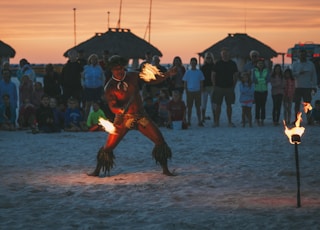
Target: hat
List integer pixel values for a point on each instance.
(254, 52)
(117, 60)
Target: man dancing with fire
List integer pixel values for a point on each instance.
(123, 97)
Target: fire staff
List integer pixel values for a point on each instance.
(123, 97)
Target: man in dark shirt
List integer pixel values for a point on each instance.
(71, 77)
(224, 80)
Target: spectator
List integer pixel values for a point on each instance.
(277, 91)
(225, 77)
(81, 58)
(27, 115)
(25, 89)
(58, 112)
(246, 98)
(26, 69)
(73, 120)
(261, 78)
(51, 82)
(45, 117)
(193, 84)
(177, 111)
(93, 118)
(37, 94)
(176, 82)
(8, 114)
(71, 78)
(93, 80)
(305, 75)
(8, 87)
(207, 69)
(289, 86)
(254, 57)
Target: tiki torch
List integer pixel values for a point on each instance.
(294, 134)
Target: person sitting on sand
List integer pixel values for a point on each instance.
(93, 118)
(73, 118)
(45, 117)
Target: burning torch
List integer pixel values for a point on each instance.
(294, 134)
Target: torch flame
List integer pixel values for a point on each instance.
(107, 125)
(297, 130)
(149, 72)
(306, 107)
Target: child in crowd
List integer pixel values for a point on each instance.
(177, 110)
(73, 119)
(162, 102)
(93, 118)
(7, 114)
(27, 114)
(315, 114)
(45, 117)
(246, 98)
(260, 78)
(151, 109)
(289, 87)
(37, 94)
(58, 112)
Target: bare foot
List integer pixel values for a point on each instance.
(167, 172)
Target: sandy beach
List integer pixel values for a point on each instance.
(226, 178)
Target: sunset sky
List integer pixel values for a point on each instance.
(42, 31)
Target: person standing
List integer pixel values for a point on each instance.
(260, 78)
(277, 91)
(246, 98)
(71, 78)
(305, 75)
(254, 57)
(51, 82)
(225, 76)
(289, 87)
(193, 84)
(26, 69)
(207, 69)
(123, 96)
(176, 82)
(93, 81)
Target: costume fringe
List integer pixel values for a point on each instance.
(161, 153)
(105, 160)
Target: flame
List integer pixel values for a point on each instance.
(306, 107)
(297, 130)
(107, 125)
(149, 72)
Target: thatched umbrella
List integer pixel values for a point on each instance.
(240, 46)
(6, 51)
(117, 41)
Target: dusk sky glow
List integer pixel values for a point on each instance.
(42, 31)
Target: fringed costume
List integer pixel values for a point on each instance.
(123, 97)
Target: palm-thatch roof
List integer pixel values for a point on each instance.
(117, 41)
(240, 46)
(6, 50)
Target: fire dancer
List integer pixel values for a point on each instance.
(123, 96)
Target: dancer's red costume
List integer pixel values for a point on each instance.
(123, 96)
